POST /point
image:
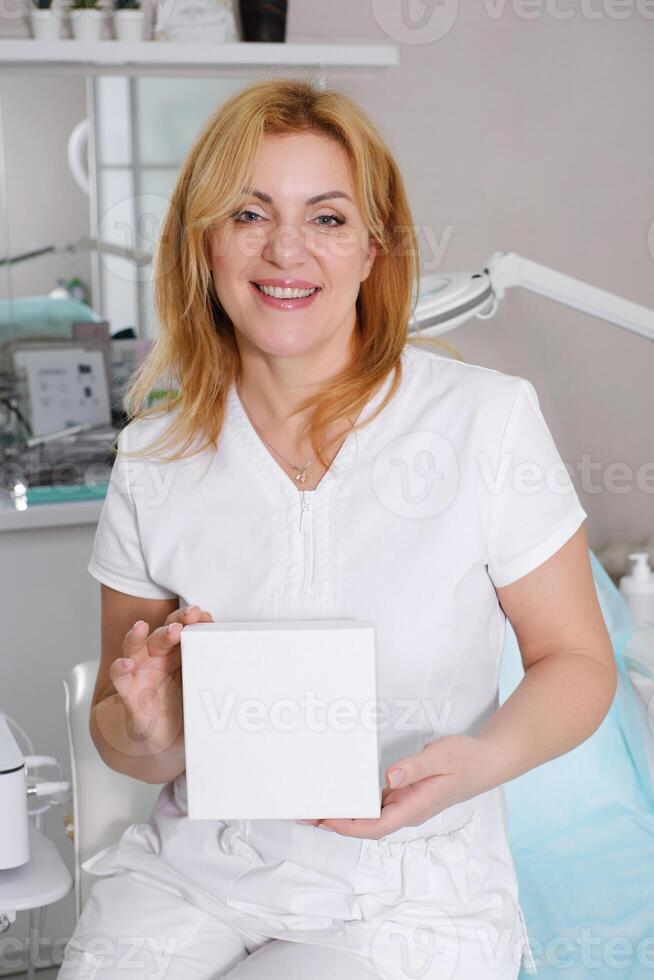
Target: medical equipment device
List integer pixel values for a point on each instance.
(447, 300)
(16, 788)
(14, 827)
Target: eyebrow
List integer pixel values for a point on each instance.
(311, 200)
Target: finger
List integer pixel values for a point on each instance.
(393, 816)
(121, 672)
(430, 761)
(134, 644)
(189, 614)
(164, 639)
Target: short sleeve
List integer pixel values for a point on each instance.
(534, 508)
(117, 558)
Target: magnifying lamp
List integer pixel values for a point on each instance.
(448, 299)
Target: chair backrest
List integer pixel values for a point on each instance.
(104, 801)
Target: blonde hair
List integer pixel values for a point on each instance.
(195, 350)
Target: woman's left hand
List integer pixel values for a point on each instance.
(446, 771)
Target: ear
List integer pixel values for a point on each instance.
(370, 258)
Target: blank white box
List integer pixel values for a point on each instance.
(280, 720)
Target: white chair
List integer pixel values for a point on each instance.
(104, 801)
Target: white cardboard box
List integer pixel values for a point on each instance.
(280, 719)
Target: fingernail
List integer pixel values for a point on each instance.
(395, 777)
(138, 625)
(171, 627)
(307, 822)
(330, 829)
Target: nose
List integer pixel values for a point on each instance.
(286, 245)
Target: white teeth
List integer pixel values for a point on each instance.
(280, 293)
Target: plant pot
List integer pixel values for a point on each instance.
(263, 20)
(87, 22)
(128, 24)
(46, 23)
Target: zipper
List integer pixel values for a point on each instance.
(306, 528)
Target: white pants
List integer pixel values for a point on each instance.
(277, 901)
(131, 928)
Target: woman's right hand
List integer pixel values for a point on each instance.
(148, 680)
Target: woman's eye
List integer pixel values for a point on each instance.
(339, 221)
(324, 220)
(238, 217)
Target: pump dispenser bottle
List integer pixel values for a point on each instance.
(638, 588)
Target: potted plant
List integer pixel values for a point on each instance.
(87, 18)
(128, 20)
(46, 21)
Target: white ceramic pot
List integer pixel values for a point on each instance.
(87, 22)
(129, 24)
(46, 23)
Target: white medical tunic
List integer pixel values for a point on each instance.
(454, 488)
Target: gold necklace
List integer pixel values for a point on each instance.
(301, 471)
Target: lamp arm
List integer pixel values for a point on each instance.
(83, 245)
(124, 251)
(507, 269)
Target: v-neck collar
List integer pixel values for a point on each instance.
(237, 421)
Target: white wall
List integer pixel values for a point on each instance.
(533, 135)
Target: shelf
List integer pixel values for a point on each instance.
(188, 57)
(64, 514)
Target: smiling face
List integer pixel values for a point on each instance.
(288, 242)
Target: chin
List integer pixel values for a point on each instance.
(285, 344)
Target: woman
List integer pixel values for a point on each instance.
(325, 468)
